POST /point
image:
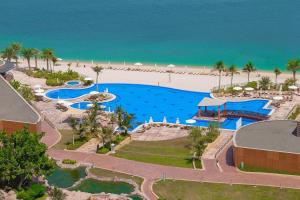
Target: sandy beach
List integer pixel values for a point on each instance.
(188, 78)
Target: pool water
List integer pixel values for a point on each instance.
(145, 101)
(73, 83)
(94, 186)
(64, 178)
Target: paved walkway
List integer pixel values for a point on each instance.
(152, 172)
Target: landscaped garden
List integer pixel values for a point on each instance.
(175, 189)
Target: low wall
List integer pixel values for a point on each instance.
(289, 162)
(12, 126)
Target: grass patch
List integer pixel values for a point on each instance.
(103, 150)
(69, 161)
(174, 152)
(248, 168)
(67, 139)
(174, 190)
(112, 174)
(295, 113)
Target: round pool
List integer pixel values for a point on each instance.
(73, 83)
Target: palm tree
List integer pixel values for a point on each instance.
(47, 54)
(36, 53)
(69, 66)
(27, 53)
(16, 49)
(277, 72)
(97, 69)
(249, 67)
(232, 70)
(54, 61)
(220, 67)
(294, 66)
(264, 82)
(7, 53)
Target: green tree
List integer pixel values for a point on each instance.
(293, 66)
(124, 119)
(16, 47)
(91, 120)
(197, 141)
(36, 54)
(8, 53)
(264, 82)
(78, 127)
(57, 194)
(28, 53)
(22, 157)
(277, 72)
(97, 69)
(220, 67)
(47, 54)
(69, 66)
(106, 135)
(248, 68)
(232, 70)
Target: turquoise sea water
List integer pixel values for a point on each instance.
(194, 32)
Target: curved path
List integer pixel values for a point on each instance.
(152, 172)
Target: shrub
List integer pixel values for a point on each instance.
(69, 161)
(103, 150)
(15, 84)
(57, 194)
(288, 82)
(252, 84)
(295, 113)
(118, 139)
(77, 143)
(34, 192)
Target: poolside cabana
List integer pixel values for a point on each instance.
(205, 102)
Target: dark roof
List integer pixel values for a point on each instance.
(276, 135)
(5, 66)
(13, 107)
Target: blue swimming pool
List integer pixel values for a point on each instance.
(145, 100)
(73, 83)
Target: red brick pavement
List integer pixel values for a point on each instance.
(152, 172)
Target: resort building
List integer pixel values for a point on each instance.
(15, 111)
(272, 145)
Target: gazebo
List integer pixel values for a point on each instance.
(205, 102)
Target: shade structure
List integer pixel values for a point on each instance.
(177, 121)
(249, 89)
(39, 94)
(94, 92)
(39, 90)
(150, 120)
(38, 86)
(237, 88)
(293, 87)
(59, 59)
(211, 102)
(88, 79)
(138, 64)
(102, 106)
(171, 65)
(278, 98)
(63, 102)
(106, 90)
(165, 120)
(89, 105)
(190, 121)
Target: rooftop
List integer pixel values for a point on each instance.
(211, 102)
(13, 107)
(276, 135)
(5, 66)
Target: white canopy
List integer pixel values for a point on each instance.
(249, 89)
(39, 94)
(211, 102)
(237, 88)
(94, 92)
(150, 120)
(190, 121)
(138, 64)
(177, 121)
(37, 86)
(102, 106)
(63, 102)
(88, 79)
(165, 120)
(293, 87)
(59, 59)
(89, 105)
(278, 98)
(171, 65)
(39, 90)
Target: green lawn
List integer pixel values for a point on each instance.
(186, 190)
(264, 170)
(67, 137)
(112, 174)
(174, 152)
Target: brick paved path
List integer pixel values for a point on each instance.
(152, 172)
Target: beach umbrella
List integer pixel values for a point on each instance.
(37, 86)
(67, 103)
(171, 65)
(59, 59)
(150, 120)
(293, 87)
(94, 92)
(237, 88)
(177, 121)
(109, 109)
(39, 94)
(278, 98)
(190, 121)
(165, 120)
(88, 79)
(138, 64)
(249, 89)
(106, 90)
(39, 90)
(102, 106)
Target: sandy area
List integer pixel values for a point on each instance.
(186, 81)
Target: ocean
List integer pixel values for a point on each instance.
(181, 32)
